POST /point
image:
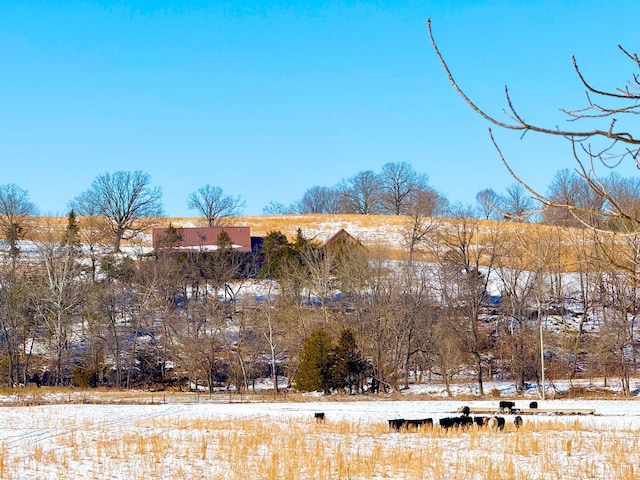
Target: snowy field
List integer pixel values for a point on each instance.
(282, 440)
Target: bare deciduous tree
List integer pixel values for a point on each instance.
(447, 351)
(518, 205)
(17, 326)
(422, 205)
(467, 256)
(125, 199)
(15, 209)
(57, 296)
(399, 181)
(277, 208)
(569, 188)
(608, 145)
(362, 193)
(616, 343)
(321, 200)
(626, 191)
(214, 205)
(489, 203)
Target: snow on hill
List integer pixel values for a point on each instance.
(371, 230)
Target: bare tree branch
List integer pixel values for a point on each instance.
(518, 123)
(610, 155)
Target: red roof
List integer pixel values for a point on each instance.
(206, 238)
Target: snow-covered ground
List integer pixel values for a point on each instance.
(273, 440)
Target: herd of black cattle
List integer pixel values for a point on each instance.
(491, 418)
(463, 421)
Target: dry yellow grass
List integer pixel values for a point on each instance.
(188, 447)
(530, 244)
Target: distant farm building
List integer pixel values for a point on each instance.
(341, 238)
(202, 239)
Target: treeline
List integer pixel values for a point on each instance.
(129, 202)
(468, 298)
(571, 199)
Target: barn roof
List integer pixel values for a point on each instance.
(204, 238)
(342, 236)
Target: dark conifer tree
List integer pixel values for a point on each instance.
(349, 366)
(316, 363)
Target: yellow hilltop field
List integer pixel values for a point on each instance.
(521, 245)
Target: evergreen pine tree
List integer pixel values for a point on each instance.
(223, 242)
(316, 363)
(171, 237)
(70, 237)
(349, 366)
(276, 249)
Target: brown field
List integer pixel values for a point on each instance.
(521, 245)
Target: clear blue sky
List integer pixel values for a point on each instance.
(268, 99)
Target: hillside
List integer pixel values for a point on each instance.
(383, 230)
(157, 320)
(391, 232)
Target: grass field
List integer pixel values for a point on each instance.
(282, 440)
(522, 243)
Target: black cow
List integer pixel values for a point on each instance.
(401, 423)
(418, 423)
(465, 421)
(518, 421)
(458, 422)
(397, 423)
(506, 406)
(496, 423)
(480, 421)
(447, 422)
(319, 416)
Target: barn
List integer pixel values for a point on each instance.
(202, 239)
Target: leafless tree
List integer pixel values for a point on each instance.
(17, 325)
(581, 243)
(616, 344)
(421, 208)
(95, 235)
(319, 265)
(518, 205)
(156, 282)
(416, 314)
(466, 256)
(57, 296)
(214, 205)
(569, 188)
(399, 181)
(515, 205)
(489, 203)
(447, 351)
(125, 199)
(526, 292)
(277, 208)
(15, 209)
(202, 348)
(320, 200)
(382, 337)
(627, 194)
(248, 346)
(607, 145)
(362, 193)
